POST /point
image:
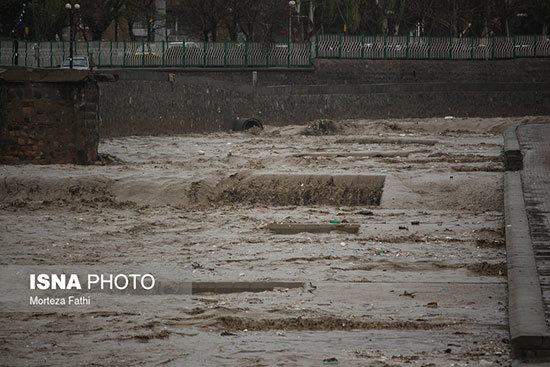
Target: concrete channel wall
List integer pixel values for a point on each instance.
(168, 101)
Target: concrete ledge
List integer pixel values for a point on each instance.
(513, 159)
(191, 69)
(47, 75)
(293, 228)
(373, 154)
(529, 334)
(385, 140)
(237, 287)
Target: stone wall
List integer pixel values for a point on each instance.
(335, 72)
(153, 102)
(48, 116)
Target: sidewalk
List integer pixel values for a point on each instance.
(528, 241)
(535, 145)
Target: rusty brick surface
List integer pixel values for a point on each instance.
(46, 120)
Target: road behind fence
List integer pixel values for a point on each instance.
(256, 54)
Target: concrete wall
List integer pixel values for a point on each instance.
(48, 116)
(151, 102)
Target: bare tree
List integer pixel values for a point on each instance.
(49, 18)
(139, 11)
(249, 12)
(97, 15)
(204, 16)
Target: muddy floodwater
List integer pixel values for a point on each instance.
(370, 243)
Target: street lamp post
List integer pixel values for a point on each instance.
(291, 4)
(70, 8)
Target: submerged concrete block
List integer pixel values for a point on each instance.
(294, 228)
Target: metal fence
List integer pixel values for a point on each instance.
(441, 48)
(158, 54)
(256, 54)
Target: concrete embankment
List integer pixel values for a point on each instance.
(168, 101)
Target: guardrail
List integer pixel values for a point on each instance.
(256, 54)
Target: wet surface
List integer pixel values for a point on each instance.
(422, 283)
(533, 139)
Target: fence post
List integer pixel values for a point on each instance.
(450, 47)
(407, 52)
(429, 47)
(51, 54)
(87, 48)
(142, 53)
(310, 52)
(204, 46)
(246, 53)
(534, 46)
(14, 57)
(316, 45)
(472, 48)
(267, 56)
(514, 49)
(224, 54)
(362, 46)
(124, 54)
(493, 48)
(340, 45)
(26, 52)
(111, 54)
(288, 55)
(183, 50)
(163, 54)
(99, 53)
(63, 48)
(39, 52)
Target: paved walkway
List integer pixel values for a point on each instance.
(534, 140)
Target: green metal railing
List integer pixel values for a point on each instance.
(257, 54)
(159, 54)
(343, 46)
